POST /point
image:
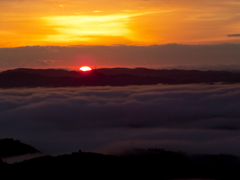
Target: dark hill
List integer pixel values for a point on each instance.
(152, 163)
(44, 72)
(10, 147)
(134, 163)
(111, 77)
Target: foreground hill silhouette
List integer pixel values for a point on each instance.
(111, 77)
(10, 147)
(135, 163)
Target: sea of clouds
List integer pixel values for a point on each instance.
(191, 118)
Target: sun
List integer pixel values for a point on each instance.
(85, 68)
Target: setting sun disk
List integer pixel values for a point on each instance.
(85, 68)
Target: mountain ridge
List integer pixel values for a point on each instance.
(138, 163)
(111, 77)
(10, 147)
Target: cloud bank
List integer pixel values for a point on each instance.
(156, 56)
(191, 118)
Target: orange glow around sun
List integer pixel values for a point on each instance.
(85, 68)
(111, 23)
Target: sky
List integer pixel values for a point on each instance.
(74, 23)
(193, 118)
(106, 22)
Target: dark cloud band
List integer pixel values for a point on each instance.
(233, 35)
(156, 56)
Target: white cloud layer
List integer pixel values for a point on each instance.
(191, 118)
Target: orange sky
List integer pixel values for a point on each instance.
(107, 22)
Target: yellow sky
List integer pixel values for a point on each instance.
(107, 22)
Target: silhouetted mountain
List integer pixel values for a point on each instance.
(45, 72)
(139, 163)
(111, 77)
(134, 163)
(10, 147)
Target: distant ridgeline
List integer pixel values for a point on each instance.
(111, 77)
(136, 163)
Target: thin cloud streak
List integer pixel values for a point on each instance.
(191, 118)
(233, 35)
